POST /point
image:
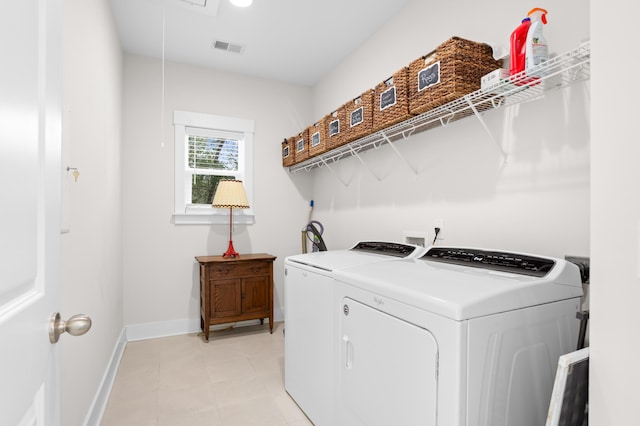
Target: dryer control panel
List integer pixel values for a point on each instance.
(494, 260)
(385, 247)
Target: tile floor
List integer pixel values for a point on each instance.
(235, 379)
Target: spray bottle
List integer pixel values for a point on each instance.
(537, 50)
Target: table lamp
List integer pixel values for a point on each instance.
(230, 193)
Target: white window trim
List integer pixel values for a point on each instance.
(191, 215)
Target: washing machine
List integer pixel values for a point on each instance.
(457, 337)
(310, 352)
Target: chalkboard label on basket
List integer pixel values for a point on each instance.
(334, 127)
(315, 139)
(285, 152)
(388, 98)
(300, 145)
(357, 116)
(429, 76)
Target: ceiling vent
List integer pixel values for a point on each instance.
(229, 47)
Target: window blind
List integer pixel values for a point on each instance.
(212, 150)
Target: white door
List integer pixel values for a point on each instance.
(30, 172)
(388, 370)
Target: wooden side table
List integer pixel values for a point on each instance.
(235, 289)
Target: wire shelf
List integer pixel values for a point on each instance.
(558, 72)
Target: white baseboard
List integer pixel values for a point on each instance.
(154, 330)
(99, 403)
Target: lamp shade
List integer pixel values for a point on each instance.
(230, 194)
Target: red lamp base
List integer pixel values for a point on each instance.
(231, 252)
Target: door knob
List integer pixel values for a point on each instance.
(77, 325)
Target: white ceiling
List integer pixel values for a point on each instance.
(296, 41)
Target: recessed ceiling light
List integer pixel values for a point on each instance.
(241, 3)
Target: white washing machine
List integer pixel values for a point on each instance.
(309, 342)
(458, 337)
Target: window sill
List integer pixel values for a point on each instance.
(201, 218)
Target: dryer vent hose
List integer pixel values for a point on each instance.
(313, 233)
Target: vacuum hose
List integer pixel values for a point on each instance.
(311, 232)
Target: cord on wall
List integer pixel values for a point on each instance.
(162, 82)
(437, 230)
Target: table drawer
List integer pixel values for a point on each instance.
(218, 271)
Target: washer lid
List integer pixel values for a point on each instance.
(363, 253)
(462, 292)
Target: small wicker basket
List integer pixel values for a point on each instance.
(301, 146)
(317, 138)
(288, 155)
(391, 101)
(451, 71)
(335, 126)
(359, 116)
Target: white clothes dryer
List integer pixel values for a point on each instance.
(458, 337)
(309, 343)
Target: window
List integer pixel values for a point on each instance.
(211, 156)
(209, 148)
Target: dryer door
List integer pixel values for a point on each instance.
(388, 369)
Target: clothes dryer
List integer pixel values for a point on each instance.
(458, 337)
(309, 349)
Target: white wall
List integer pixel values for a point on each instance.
(92, 249)
(615, 229)
(161, 282)
(537, 200)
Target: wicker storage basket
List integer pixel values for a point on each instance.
(301, 146)
(451, 71)
(317, 138)
(335, 126)
(391, 101)
(359, 116)
(288, 156)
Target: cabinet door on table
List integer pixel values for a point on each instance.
(226, 300)
(255, 294)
